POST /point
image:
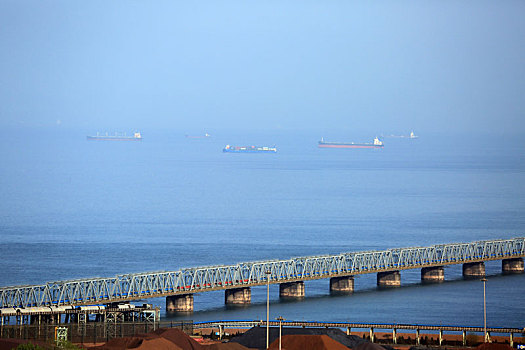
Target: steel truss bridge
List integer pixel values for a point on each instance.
(128, 287)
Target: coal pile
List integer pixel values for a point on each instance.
(256, 337)
(307, 342)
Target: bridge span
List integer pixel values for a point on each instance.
(179, 286)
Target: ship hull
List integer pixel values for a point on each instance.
(249, 149)
(108, 138)
(342, 145)
(225, 151)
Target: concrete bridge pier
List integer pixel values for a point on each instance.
(389, 279)
(474, 269)
(291, 290)
(179, 303)
(342, 285)
(433, 274)
(238, 296)
(512, 265)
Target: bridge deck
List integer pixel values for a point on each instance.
(130, 287)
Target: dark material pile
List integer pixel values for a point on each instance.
(493, 346)
(256, 337)
(226, 346)
(9, 343)
(371, 346)
(307, 342)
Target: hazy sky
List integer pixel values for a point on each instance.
(328, 64)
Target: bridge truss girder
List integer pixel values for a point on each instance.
(200, 279)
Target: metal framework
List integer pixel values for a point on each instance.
(371, 326)
(60, 334)
(201, 279)
(350, 325)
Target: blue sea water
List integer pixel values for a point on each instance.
(73, 208)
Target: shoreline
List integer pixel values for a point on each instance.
(405, 340)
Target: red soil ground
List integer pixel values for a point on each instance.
(162, 339)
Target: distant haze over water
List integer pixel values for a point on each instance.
(379, 66)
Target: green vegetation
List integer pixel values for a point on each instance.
(67, 345)
(61, 345)
(29, 346)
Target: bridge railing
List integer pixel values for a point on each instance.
(193, 280)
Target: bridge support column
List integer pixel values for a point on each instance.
(180, 303)
(291, 290)
(475, 269)
(341, 285)
(433, 274)
(389, 279)
(512, 265)
(238, 296)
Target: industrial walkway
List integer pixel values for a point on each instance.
(372, 328)
(289, 273)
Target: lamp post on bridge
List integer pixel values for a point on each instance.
(486, 337)
(268, 272)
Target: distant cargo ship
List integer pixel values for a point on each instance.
(136, 137)
(249, 149)
(198, 136)
(410, 136)
(376, 144)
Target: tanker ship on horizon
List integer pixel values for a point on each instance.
(136, 137)
(326, 144)
(249, 149)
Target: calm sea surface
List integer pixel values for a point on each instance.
(72, 208)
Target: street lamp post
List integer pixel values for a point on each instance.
(268, 272)
(280, 319)
(484, 280)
